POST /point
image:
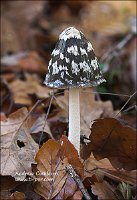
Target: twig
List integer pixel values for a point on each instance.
(113, 52)
(125, 104)
(107, 93)
(79, 183)
(32, 109)
(46, 116)
(104, 93)
(130, 108)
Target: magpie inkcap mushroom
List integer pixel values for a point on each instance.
(73, 65)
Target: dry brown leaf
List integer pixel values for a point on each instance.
(105, 18)
(121, 175)
(41, 130)
(23, 61)
(18, 147)
(103, 168)
(41, 126)
(110, 139)
(104, 191)
(51, 164)
(78, 195)
(22, 89)
(32, 62)
(17, 196)
(8, 184)
(67, 150)
(69, 191)
(16, 36)
(91, 109)
(58, 128)
(92, 164)
(9, 39)
(52, 159)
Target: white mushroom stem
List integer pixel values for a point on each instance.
(74, 118)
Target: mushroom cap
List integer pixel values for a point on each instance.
(73, 62)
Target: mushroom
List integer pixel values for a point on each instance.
(73, 65)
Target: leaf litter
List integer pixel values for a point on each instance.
(107, 165)
(18, 147)
(61, 188)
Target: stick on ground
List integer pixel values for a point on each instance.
(78, 181)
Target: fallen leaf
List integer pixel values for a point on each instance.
(8, 43)
(91, 109)
(40, 131)
(26, 187)
(18, 196)
(32, 62)
(11, 65)
(23, 89)
(114, 16)
(8, 184)
(18, 147)
(41, 126)
(16, 36)
(12, 60)
(103, 168)
(121, 175)
(58, 128)
(52, 159)
(110, 139)
(104, 191)
(52, 167)
(67, 150)
(69, 191)
(78, 195)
